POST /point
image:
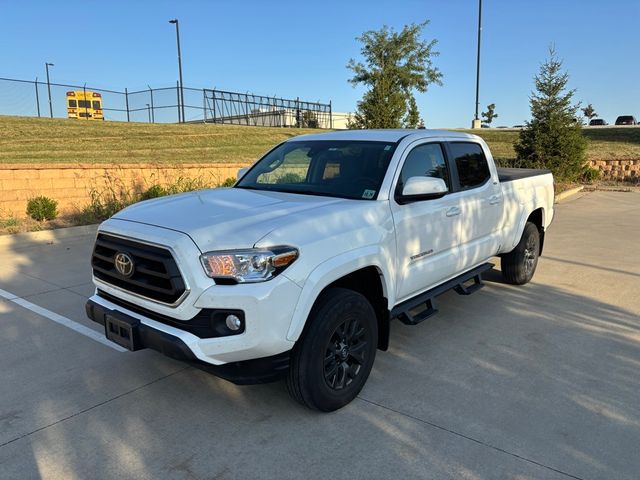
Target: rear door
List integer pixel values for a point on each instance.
(427, 231)
(84, 108)
(481, 203)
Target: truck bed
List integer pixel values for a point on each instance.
(511, 174)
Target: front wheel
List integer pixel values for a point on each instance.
(332, 360)
(519, 265)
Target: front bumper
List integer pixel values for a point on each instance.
(258, 370)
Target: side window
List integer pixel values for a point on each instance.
(72, 104)
(472, 166)
(96, 105)
(425, 161)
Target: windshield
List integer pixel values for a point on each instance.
(345, 169)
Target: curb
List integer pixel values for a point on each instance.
(568, 193)
(47, 236)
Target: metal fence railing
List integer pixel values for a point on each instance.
(258, 110)
(36, 98)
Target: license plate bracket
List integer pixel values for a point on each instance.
(123, 330)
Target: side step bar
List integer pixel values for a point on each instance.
(403, 311)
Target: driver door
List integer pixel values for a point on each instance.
(427, 231)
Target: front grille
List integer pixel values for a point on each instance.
(155, 273)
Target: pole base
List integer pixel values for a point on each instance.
(476, 124)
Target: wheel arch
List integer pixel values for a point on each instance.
(368, 282)
(537, 218)
(368, 278)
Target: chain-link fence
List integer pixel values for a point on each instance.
(35, 98)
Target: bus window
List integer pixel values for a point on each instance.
(84, 104)
(72, 104)
(96, 105)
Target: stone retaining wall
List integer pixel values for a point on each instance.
(628, 170)
(71, 185)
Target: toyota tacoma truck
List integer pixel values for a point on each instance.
(296, 271)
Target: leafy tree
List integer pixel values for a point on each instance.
(309, 119)
(395, 65)
(589, 112)
(412, 118)
(553, 139)
(490, 114)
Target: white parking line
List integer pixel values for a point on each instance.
(59, 319)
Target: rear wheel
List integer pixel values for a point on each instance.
(332, 360)
(519, 265)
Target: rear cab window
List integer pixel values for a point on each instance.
(471, 164)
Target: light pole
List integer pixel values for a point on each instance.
(46, 66)
(149, 112)
(175, 22)
(476, 120)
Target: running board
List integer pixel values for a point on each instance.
(426, 300)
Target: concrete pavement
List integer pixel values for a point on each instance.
(533, 382)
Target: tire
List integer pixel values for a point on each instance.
(331, 361)
(519, 265)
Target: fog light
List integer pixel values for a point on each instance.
(233, 322)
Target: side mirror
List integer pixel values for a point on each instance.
(424, 188)
(241, 173)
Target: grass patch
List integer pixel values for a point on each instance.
(10, 225)
(44, 140)
(116, 195)
(608, 143)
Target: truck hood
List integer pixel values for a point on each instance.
(223, 218)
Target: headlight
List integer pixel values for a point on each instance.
(247, 266)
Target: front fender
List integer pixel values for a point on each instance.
(334, 269)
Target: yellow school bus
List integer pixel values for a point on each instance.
(84, 105)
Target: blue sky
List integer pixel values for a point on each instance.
(294, 48)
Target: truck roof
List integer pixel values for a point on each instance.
(384, 135)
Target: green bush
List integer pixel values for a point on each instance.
(103, 205)
(9, 222)
(590, 175)
(42, 208)
(154, 191)
(290, 178)
(229, 182)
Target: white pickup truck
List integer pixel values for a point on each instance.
(298, 269)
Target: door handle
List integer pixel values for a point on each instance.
(494, 199)
(453, 211)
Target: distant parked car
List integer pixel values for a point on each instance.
(597, 122)
(518, 126)
(626, 120)
(484, 125)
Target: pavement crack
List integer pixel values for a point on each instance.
(124, 394)
(31, 295)
(467, 437)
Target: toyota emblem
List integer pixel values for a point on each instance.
(124, 264)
